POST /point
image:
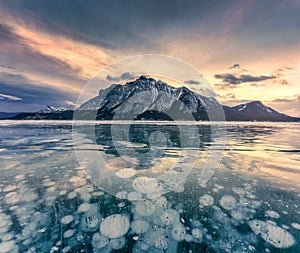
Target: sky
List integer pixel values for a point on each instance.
(246, 49)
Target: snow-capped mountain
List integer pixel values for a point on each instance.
(255, 110)
(150, 99)
(51, 109)
(256, 107)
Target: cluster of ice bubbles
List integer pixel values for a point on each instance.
(86, 219)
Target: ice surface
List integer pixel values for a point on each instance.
(51, 205)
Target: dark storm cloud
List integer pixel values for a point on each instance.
(115, 24)
(192, 82)
(118, 23)
(234, 80)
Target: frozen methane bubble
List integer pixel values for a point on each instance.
(196, 233)
(161, 243)
(134, 196)
(145, 207)
(69, 233)
(72, 195)
(9, 246)
(99, 241)
(140, 226)
(84, 207)
(272, 234)
(178, 232)
(121, 195)
(272, 214)
(117, 243)
(146, 185)
(296, 225)
(126, 173)
(115, 226)
(67, 219)
(90, 220)
(206, 200)
(228, 202)
(170, 216)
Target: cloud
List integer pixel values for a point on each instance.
(282, 82)
(22, 94)
(9, 97)
(289, 104)
(204, 91)
(123, 77)
(127, 76)
(229, 95)
(235, 66)
(112, 79)
(7, 34)
(286, 99)
(192, 82)
(232, 79)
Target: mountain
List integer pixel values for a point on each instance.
(49, 113)
(255, 111)
(6, 115)
(149, 99)
(51, 109)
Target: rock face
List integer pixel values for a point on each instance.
(149, 99)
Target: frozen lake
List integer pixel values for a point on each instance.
(49, 202)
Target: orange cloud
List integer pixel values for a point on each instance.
(85, 58)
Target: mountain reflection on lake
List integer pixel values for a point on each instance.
(49, 203)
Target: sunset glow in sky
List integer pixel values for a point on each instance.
(247, 50)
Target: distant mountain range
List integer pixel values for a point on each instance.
(5, 115)
(156, 100)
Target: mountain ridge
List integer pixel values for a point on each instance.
(148, 99)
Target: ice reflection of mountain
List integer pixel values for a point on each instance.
(49, 205)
